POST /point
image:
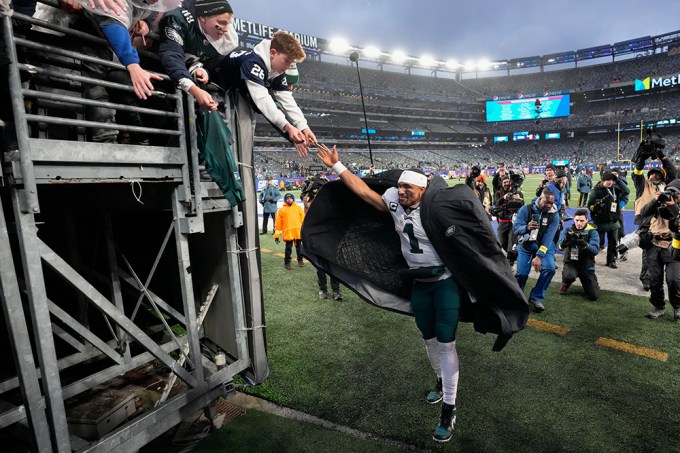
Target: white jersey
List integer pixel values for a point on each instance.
(415, 245)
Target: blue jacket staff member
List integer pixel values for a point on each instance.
(581, 244)
(535, 226)
(434, 297)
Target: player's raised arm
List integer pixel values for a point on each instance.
(355, 184)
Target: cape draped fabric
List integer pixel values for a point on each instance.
(358, 245)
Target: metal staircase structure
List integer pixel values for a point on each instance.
(91, 286)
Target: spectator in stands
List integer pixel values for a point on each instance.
(536, 225)
(269, 197)
(289, 224)
(190, 39)
(263, 69)
(584, 184)
(116, 26)
(581, 244)
(603, 203)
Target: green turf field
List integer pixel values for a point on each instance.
(558, 386)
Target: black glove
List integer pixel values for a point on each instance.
(277, 240)
(581, 243)
(659, 154)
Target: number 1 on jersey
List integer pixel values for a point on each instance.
(408, 229)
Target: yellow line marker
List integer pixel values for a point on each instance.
(552, 328)
(633, 349)
(280, 255)
(265, 250)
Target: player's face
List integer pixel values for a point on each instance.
(580, 222)
(280, 61)
(409, 194)
(216, 26)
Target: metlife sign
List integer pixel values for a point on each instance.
(659, 82)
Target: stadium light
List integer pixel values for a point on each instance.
(398, 56)
(452, 64)
(427, 61)
(371, 52)
(470, 65)
(338, 45)
(484, 65)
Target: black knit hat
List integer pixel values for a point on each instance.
(607, 176)
(212, 7)
(551, 166)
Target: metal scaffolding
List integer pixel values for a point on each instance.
(91, 286)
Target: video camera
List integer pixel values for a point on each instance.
(650, 147)
(669, 193)
(516, 177)
(310, 187)
(573, 236)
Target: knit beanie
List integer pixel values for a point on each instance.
(212, 7)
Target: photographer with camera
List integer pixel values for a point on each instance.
(496, 182)
(507, 202)
(536, 225)
(648, 189)
(663, 257)
(581, 244)
(477, 182)
(605, 209)
(308, 193)
(622, 184)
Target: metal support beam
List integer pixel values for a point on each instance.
(61, 267)
(42, 326)
(187, 285)
(15, 322)
(114, 280)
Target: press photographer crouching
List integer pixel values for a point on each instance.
(663, 257)
(507, 201)
(581, 244)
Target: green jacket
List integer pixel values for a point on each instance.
(214, 141)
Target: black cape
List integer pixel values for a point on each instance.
(358, 245)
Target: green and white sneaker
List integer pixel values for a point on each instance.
(436, 394)
(444, 432)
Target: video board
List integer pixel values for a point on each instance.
(528, 108)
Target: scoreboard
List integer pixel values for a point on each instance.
(528, 108)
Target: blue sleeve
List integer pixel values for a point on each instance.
(594, 243)
(548, 236)
(563, 236)
(118, 37)
(519, 226)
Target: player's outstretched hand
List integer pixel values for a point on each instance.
(327, 156)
